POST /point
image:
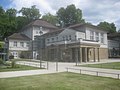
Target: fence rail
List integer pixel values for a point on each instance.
(30, 64)
(97, 72)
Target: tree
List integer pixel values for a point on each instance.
(70, 15)
(8, 23)
(50, 18)
(110, 27)
(30, 13)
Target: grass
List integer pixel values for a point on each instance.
(17, 68)
(59, 81)
(113, 65)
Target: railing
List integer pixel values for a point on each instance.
(30, 64)
(96, 72)
(82, 41)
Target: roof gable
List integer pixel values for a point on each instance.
(41, 23)
(19, 36)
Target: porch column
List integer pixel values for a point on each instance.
(76, 56)
(80, 54)
(98, 55)
(85, 54)
(94, 54)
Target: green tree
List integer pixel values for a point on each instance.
(70, 15)
(30, 13)
(110, 27)
(50, 18)
(8, 23)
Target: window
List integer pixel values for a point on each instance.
(15, 44)
(48, 40)
(69, 37)
(91, 35)
(66, 38)
(37, 32)
(63, 38)
(97, 36)
(22, 44)
(27, 44)
(102, 38)
(56, 38)
(52, 39)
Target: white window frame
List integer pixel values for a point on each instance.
(27, 44)
(21, 44)
(91, 35)
(97, 36)
(15, 43)
(102, 37)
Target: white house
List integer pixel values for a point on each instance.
(35, 28)
(84, 42)
(17, 44)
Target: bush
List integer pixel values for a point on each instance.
(11, 57)
(1, 62)
(13, 63)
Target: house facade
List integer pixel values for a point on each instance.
(77, 43)
(18, 43)
(33, 29)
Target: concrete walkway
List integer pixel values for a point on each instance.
(62, 68)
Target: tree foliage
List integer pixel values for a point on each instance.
(110, 27)
(10, 23)
(70, 15)
(50, 18)
(30, 13)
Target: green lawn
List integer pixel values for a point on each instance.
(59, 81)
(18, 68)
(113, 65)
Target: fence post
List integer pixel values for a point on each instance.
(97, 73)
(80, 71)
(67, 69)
(118, 76)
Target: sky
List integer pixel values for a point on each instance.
(94, 11)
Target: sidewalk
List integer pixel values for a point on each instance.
(24, 73)
(61, 68)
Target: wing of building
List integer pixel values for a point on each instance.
(22, 43)
(77, 43)
(114, 45)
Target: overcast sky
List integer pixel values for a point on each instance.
(94, 11)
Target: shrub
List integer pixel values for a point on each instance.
(11, 57)
(1, 62)
(13, 63)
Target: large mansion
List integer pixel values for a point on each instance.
(42, 40)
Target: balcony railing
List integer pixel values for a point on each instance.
(81, 41)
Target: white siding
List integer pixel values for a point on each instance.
(105, 44)
(19, 47)
(28, 32)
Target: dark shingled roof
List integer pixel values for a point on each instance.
(19, 36)
(41, 23)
